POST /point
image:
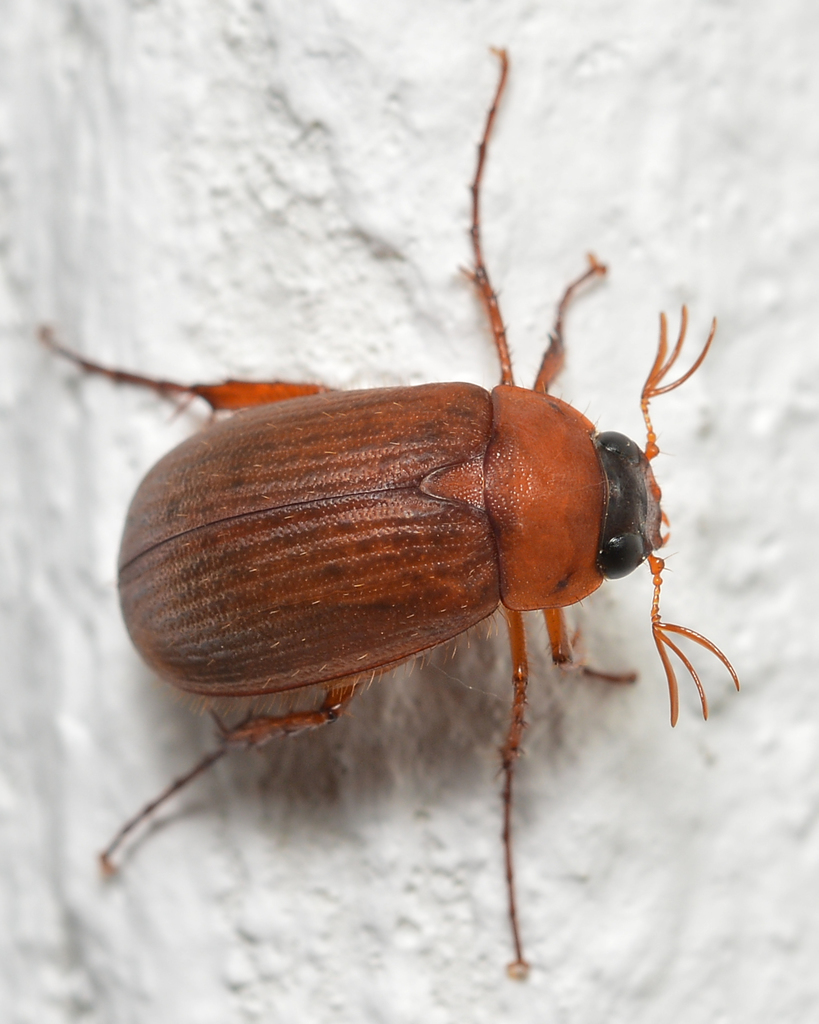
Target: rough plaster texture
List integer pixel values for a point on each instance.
(270, 189)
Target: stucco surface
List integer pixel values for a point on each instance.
(205, 189)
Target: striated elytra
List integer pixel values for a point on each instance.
(375, 523)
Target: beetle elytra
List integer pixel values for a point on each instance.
(315, 537)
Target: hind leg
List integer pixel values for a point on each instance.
(230, 394)
(253, 732)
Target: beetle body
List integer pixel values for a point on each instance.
(335, 534)
(316, 537)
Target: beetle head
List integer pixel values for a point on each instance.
(631, 522)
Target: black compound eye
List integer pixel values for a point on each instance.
(620, 445)
(632, 511)
(621, 555)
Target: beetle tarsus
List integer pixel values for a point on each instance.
(479, 275)
(106, 867)
(106, 864)
(509, 756)
(165, 388)
(518, 970)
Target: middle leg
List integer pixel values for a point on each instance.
(510, 753)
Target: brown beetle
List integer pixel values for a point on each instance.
(316, 537)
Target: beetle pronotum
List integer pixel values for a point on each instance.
(329, 535)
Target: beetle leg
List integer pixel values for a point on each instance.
(479, 275)
(253, 732)
(563, 655)
(108, 867)
(555, 354)
(558, 635)
(230, 394)
(241, 394)
(510, 752)
(260, 729)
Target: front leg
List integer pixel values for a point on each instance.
(555, 354)
(563, 655)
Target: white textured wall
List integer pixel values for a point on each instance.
(201, 189)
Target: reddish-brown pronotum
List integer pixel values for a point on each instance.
(316, 537)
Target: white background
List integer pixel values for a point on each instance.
(206, 189)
